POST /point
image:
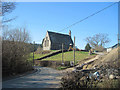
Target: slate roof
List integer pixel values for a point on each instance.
(58, 38)
(115, 46)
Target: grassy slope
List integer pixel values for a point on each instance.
(36, 56)
(68, 56)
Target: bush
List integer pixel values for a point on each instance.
(75, 80)
(46, 63)
(87, 47)
(50, 63)
(15, 52)
(109, 84)
(67, 63)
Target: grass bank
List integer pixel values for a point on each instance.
(56, 60)
(68, 56)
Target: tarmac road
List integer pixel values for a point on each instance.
(44, 78)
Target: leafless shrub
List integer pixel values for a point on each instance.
(39, 50)
(7, 7)
(15, 51)
(77, 80)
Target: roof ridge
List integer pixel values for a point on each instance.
(57, 33)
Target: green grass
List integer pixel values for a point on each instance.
(68, 56)
(61, 68)
(37, 56)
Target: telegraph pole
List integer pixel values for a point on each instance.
(118, 39)
(74, 50)
(62, 53)
(33, 51)
(118, 33)
(118, 22)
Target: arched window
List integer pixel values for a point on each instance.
(46, 38)
(45, 43)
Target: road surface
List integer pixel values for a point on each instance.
(44, 78)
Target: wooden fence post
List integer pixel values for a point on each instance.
(33, 51)
(74, 50)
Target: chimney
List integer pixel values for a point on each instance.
(70, 33)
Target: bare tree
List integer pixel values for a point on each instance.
(16, 35)
(15, 51)
(7, 7)
(98, 41)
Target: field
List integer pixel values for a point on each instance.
(67, 56)
(39, 55)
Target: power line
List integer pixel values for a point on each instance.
(88, 17)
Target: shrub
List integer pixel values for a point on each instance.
(77, 80)
(87, 47)
(15, 52)
(109, 84)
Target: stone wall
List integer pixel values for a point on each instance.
(49, 63)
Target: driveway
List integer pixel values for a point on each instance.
(44, 78)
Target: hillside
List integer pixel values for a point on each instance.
(68, 56)
(110, 59)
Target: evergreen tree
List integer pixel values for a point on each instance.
(87, 47)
